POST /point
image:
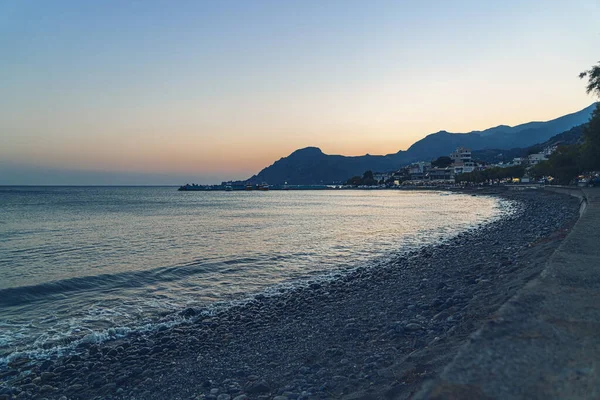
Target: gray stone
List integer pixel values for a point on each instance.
(46, 376)
(74, 388)
(47, 389)
(258, 387)
(413, 327)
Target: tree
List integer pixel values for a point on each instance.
(367, 179)
(541, 170)
(354, 181)
(566, 163)
(491, 175)
(590, 151)
(593, 76)
(442, 162)
(563, 165)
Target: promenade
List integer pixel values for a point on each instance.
(545, 342)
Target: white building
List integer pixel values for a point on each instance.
(418, 170)
(461, 154)
(463, 167)
(419, 167)
(549, 150)
(535, 159)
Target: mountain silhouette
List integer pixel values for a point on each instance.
(310, 166)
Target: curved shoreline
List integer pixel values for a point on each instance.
(372, 333)
(544, 343)
(64, 340)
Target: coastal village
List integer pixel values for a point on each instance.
(458, 163)
(393, 200)
(451, 169)
(566, 158)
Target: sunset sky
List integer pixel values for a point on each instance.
(165, 92)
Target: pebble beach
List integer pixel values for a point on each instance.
(367, 334)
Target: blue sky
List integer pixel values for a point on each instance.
(164, 92)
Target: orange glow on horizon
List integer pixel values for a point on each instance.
(160, 150)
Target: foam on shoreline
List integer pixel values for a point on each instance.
(46, 348)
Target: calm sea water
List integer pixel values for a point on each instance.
(86, 264)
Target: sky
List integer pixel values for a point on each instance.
(163, 92)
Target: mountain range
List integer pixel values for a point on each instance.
(310, 166)
(572, 136)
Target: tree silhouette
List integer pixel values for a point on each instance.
(442, 162)
(591, 144)
(593, 76)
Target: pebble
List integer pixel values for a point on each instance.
(258, 387)
(46, 376)
(412, 327)
(327, 336)
(74, 388)
(47, 389)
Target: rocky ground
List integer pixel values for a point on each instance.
(371, 334)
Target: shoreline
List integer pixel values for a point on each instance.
(70, 340)
(373, 332)
(543, 340)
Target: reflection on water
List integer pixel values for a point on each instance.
(81, 260)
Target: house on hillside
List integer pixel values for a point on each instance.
(461, 154)
(549, 150)
(537, 158)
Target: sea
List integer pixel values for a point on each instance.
(89, 264)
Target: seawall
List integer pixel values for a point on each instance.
(544, 343)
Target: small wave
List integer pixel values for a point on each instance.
(16, 296)
(67, 341)
(27, 294)
(46, 348)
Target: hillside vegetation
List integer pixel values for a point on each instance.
(310, 166)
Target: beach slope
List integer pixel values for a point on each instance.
(372, 333)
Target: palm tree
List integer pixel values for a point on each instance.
(593, 75)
